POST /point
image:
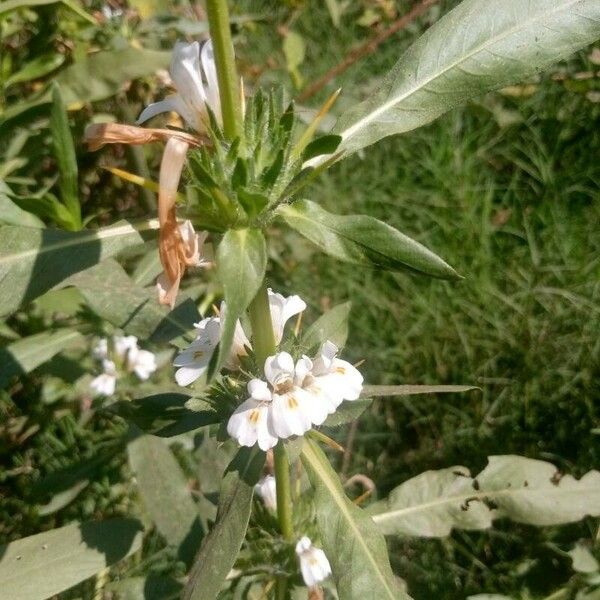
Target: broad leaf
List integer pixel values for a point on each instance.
(221, 546)
(48, 563)
(111, 294)
(12, 214)
(378, 391)
(356, 550)
(64, 150)
(26, 354)
(34, 260)
(477, 47)
(524, 490)
(165, 415)
(241, 263)
(347, 412)
(152, 587)
(166, 494)
(363, 240)
(332, 326)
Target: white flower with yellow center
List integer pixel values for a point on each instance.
(313, 563)
(294, 398)
(194, 360)
(104, 384)
(194, 75)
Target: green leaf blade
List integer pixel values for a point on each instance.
(477, 47)
(363, 240)
(355, 549)
(241, 263)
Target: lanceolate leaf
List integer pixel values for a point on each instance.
(355, 548)
(166, 494)
(363, 240)
(378, 391)
(34, 260)
(332, 326)
(221, 546)
(241, 263)
(477, 47)
(48, 563)
(26, 354)
(524, 490)
(112, 294)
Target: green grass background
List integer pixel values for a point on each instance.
(506, 190)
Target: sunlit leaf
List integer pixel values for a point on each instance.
(377, 391)
(73, 553)
(477, 47)
(363, 240)
(522, 489)
(332, 326)
(356, 550)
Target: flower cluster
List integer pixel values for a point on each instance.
(313, 563)
(129, 357)
(194, 360)
(294, 397)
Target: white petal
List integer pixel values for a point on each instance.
(259, 390)
(303, 368)
(248, 425)
(267, 490)
(317, 406)
(171, 165)
(125, 344)
(289, 414)
(100, 350)
(103, 385)
(282, 310)
(313, 563)
(278, 368)
(303, 545)
(348, 378)
(186, 75)
(187, 375)
(210, 72)
(143, 363)
(209, 331)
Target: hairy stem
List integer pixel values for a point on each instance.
(218, 24)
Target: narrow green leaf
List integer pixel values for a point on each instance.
(355, 549)
(36, 68)
(48, 563)
(377, 391)
(64, 150)
(26, 354)
(166, 494)
(34, 260)
(477, 47)
(10, 5)
(241, 262)
(110, 293)
(12, 214)
(347, 412)
(220, 547)
(363, 240)
(522, 489)
(165, 415)
(332, 326)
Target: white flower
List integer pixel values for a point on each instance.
(100, 350)
(294, 397)
(141, 362)
(196, 357)
(104, 385)
(267, 490)
(194, 74)
(124, 344)
(313, 563)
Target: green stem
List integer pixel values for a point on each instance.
(284, 494)
(229, 91)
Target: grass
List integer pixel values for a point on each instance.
(514, 208)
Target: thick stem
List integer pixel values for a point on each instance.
(263, 339)
(229, 92)
(284, 493)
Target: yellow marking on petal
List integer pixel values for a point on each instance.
(340, 370)
(254, 416)
(292, 403)
(198, 354)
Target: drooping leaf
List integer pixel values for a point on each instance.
(26, 354)
(522, 489)
(165, 415)
(221, 546)
(477, 47)
(64, 150)
(378, 391)
(166, 495)
(356, 550)
(241, 263)
(34, 260)
(48, 563)
(363, 240)
(332, 326)
(111, 294)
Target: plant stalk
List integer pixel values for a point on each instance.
(229, 91)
